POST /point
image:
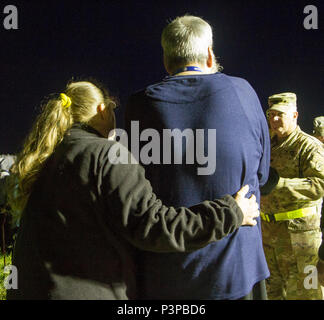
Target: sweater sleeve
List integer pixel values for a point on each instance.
(135, 212)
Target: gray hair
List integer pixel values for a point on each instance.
(185, 40)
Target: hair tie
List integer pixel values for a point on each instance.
(66, 100)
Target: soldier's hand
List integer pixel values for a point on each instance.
(320, 272)
(249, 206)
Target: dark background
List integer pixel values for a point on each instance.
(118, 42)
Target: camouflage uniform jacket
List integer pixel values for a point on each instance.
(299, 160)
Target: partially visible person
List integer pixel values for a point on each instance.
(292, 211)
(82, 213)
(6, 162)
(318, 128)
(196, 97)
(318, 132)
(7, 230)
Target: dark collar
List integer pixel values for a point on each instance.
(87, 128)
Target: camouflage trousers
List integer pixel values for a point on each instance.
(290, 255)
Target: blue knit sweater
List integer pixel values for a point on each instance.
(229, 268)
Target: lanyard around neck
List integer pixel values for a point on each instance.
(188, 68)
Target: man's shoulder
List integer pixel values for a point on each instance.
(302, 135)
(309, 142)
(239, 82)
(177, 89)
(138, 97)
(235, 78)
(220, 76)
(143, 91)
(139, 92)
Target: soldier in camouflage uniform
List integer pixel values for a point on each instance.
(291, 212)
(318, 128)
(318, 132)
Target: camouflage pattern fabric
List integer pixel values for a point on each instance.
(290, 246)
(322, 215)
(283, 102)
(288, 255)
(318, 126)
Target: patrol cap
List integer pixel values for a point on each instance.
(318, 126)
(283, 102)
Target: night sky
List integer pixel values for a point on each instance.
(118, 43)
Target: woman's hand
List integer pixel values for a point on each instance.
(249, 206)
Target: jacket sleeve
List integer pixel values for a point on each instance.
(134, 212)
(311, 186)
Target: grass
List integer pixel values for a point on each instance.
(3, 275)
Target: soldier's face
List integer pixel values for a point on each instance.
(282, 123)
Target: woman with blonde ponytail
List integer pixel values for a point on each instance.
(57, 116)
(81, 215)
(46, 133)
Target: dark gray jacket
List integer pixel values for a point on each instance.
(86, 216)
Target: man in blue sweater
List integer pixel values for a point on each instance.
(207, 137)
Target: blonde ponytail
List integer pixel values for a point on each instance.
(47, 131)
(77, 104)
